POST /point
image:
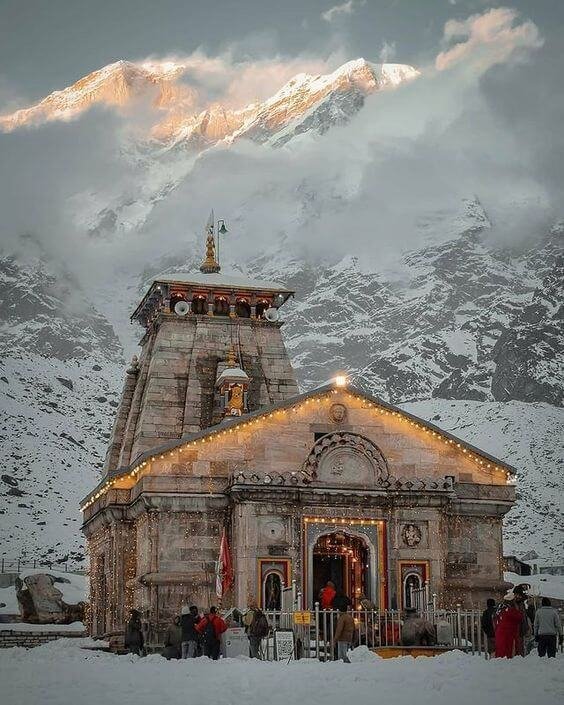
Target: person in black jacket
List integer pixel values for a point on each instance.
(188, 622)
(134, 634)
(488, 625)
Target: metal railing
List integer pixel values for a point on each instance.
(16, 565)
(457, 628)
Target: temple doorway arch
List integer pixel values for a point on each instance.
(344, 560)
(346, 555)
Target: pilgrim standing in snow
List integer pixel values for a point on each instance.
(507, 624)
(344, 632)
(257, 628)
(525, 638)
(188, 622)
(134, 640)
(488, 625)
(547, 629)
(211, 627)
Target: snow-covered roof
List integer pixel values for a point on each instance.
(219, 280)
(542, 584)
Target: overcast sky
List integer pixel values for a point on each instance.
(48, 44)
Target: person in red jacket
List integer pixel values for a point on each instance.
(211, 627)
(327, 595)
(507, 625)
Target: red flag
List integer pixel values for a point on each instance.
(224, 574)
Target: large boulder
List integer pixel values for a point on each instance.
(42, 603)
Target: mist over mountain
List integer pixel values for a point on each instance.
(421, 230)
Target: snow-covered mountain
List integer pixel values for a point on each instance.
(175, 103)
(454, 327)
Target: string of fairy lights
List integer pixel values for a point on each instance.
(481, 462)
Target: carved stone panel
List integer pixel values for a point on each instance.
(411, 535)
(271, 530)
(344, 458)
(345, 466)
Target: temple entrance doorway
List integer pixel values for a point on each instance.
(345, 560)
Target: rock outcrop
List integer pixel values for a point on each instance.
(41, 602)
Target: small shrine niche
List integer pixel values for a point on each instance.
(233, 386)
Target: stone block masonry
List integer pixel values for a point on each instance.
(172, 392)
(29, 640)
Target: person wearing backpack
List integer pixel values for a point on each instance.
(188, 623)
(257, 629)
(211, 627)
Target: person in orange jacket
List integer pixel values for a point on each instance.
(327, 595)
(211, 627)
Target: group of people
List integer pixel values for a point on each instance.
(192, 634)
(514, 625)
(510, 627)
(415, 630)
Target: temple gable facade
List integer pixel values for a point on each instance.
(212, 438)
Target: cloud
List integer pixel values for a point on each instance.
(346, 8)
(387, 51)
(493, 37)
(233, 81)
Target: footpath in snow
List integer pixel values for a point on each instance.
(61, 673)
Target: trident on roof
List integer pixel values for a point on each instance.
(213, 230)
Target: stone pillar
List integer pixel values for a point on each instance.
(135, 409)
(118, 431)
(121, 572)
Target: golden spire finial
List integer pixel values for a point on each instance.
(210, 265)
(231, 357)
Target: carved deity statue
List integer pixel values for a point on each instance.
(236, 400)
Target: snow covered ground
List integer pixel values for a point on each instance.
(63, 673)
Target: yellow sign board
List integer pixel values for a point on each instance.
(302, 617)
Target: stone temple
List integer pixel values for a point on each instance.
(213, 438)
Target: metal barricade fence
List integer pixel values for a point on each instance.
(373, 628)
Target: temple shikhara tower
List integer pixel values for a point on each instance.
(212, 439)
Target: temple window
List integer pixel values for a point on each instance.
(411, 583)
(199, 305)
(243, 308)
(262, 305)
(272, 591)
(221, 306)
